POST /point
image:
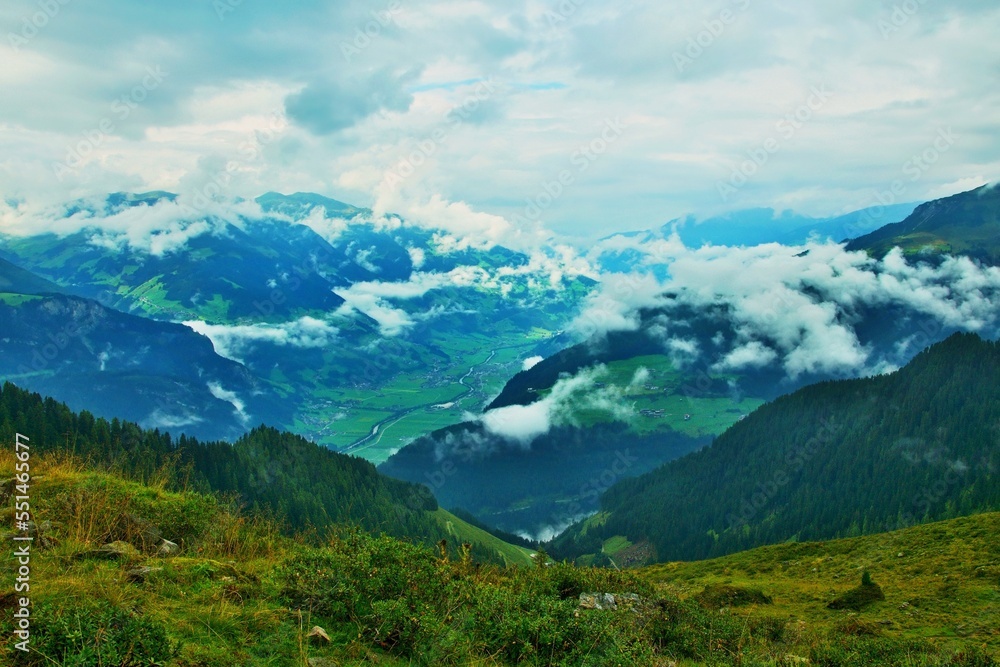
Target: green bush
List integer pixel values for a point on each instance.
(85, 635)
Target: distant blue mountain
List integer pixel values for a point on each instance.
(766, 225)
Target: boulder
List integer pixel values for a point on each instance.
(318, 635)
(600, 601)
(114, 551)
(137, 527)
(167, 548)
(139, 574)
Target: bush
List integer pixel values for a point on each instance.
(860, 597)
(82, 634)
(716, 596)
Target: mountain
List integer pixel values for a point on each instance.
(159, 374)
(277, 473)
(551, 442)
(751, 227)
(354, 331)
(232, 588)
(15, 280)
(964, 224)
(766, 225)
(814, 464)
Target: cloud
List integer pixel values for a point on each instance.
(521, 424)
(797, 307)
(159, 229)
(531, 362)
(165, 420)
(753, 354)
(325, 106)
(232, 398)
(348, 121)
(234, 342)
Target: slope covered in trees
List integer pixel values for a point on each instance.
(299, 482)
(835, 459)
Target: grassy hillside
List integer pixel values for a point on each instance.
(815, 464)
(964, 224)
(941, 581)
(459, 531)
(239, 593)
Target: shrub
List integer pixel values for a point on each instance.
(85, 634)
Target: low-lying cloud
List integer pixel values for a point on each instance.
(234, 342)
(799, 307)
(521, 424)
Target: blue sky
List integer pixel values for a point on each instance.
(582, 116)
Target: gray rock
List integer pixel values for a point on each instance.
(318, 635)
(600, 601)
(167, 548)
(136, 526)
(139, 574)
(113, 551)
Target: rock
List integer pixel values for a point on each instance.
(114, 551)
(318, 635)
(40, 532)
(167, 548)
(136, 526)
(600, 601)
(7, 489)
(139, 575)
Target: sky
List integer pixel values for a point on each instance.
(580, 116)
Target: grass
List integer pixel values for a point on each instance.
(217, 604)
(662, 402)
(240, 593)
(464, 532)
(15, 300)
(941, 581)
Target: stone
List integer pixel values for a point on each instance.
(318, 635)
(600, 601)
(139, 574)
(136, 526)
(167, 548)
(114, 551)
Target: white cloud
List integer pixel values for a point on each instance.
(794, 306)
(531, 362)
(232, 398)
(521, 424)
(480, 163)
(234, 342)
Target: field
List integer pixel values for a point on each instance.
(941, 581)
(663, 400)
